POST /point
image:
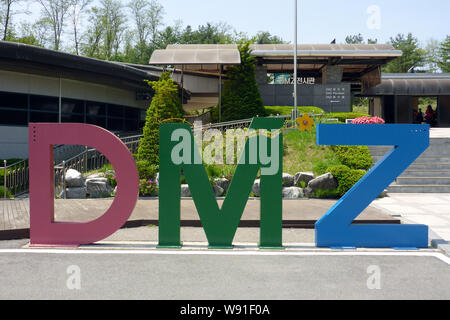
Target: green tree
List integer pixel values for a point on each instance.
(444, 55)
(241, 97)
(264, 37)
(354, 39)
(165, 107)
(413, 55)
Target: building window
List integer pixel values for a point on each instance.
(13, 117)
(72, 106)
(13, 100)
(43, 103)
(43, 117)
(95, 109)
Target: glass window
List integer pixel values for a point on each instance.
(115, 111)
(131, 125)
(43, 103)
(132, 113)
(13, 100)
(115, 124)
(98, 121)
(95, 109)
(12, 117)
(72, 106)
(72, 118)
(43, 117)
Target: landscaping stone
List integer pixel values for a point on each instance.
(305, 177)
(218, 191)
(74, 179)
(185, 192)
(288, 180)
(223, 183)
(157, 179)
(75, 193)
(293, 193)
(98, 188)
(324, 182)
(256, 189)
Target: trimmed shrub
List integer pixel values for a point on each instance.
(165, 107)
(342, 116)
(8, 193)
(241, 98)
(354, 157)
(146, 170)
(346, 177)
(283, 111)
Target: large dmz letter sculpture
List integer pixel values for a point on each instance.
(43, 228)
(335, 229)
(220, 225)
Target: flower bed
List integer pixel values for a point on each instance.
(368, 120)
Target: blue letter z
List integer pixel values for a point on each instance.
(335, 228)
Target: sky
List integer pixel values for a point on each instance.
(319, 21)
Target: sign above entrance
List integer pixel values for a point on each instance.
(284, 78)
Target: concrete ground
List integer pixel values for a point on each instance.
(432, 210)
(218, 275)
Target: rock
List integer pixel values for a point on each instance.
(75, 193)
(74, 179)
(256, 189)
(223, 183)
(218, 191)
(157, 179)
(98, 188)
(324, 182)
(305, 177)
(293, 193)
(288, 180)
(94, 176)
(185, 192)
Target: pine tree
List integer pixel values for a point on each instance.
(444, 55)
(165, 107)
(241, 97)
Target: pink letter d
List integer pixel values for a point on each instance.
(43, 228)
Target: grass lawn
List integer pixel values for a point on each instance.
(302, 154)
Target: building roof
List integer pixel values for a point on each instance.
(30, 59)
(415, 84)
(356, 59)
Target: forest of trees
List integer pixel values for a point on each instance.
(130, 32)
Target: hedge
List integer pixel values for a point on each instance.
(342, 116)
(283, 111)
(354, 157)
(345, 177)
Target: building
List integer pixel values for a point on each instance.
(40, 85)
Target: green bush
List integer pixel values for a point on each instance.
(146, 170)
(346, 177)
(342, 116)
(8, 193)
(284, 111)
(165, 107)
(241, 98)
(326, 194)
(354, 157)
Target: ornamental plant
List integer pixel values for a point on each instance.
(368, 120)
(241, 98)
(165, 107)
(147, 188)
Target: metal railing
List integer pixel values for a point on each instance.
(88, 160)
(14, 178)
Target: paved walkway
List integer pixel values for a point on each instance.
(15, 217)
(432, 210)
(440, 133)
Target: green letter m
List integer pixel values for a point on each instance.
(220, 225)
